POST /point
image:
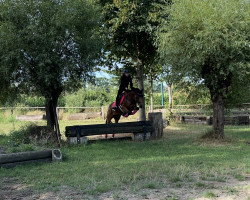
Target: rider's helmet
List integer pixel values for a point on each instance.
(126, 71)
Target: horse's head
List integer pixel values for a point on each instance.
(139, 95)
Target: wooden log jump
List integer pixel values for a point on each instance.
(229, 120)
(83, 116)
(30, 117)
(14, 159)
(142, 130)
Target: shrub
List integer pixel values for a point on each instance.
(32, 134)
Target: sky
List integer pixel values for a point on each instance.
(101, 74)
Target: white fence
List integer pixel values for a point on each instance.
(21, 112)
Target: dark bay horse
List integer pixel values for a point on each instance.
(128, 105)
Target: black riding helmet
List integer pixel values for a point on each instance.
(126, 71)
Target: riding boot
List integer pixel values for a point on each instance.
(115, 108)
(117, 100)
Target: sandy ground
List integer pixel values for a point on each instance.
(230, 190)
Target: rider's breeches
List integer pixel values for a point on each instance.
(118, 96)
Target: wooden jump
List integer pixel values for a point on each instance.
(141, 130)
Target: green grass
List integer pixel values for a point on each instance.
(180, 157)
(200, 185)
(210, 194)
(232, 191)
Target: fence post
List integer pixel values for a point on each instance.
(103, 113)
(57, 112)
(157, 123)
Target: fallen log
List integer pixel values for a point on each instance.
(83, 116)
(14, 159)
(30, 117)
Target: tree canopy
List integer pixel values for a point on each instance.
(52, 45)
(129, 30)
(209, 41)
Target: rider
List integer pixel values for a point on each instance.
(125, 80)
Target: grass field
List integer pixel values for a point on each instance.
(179, 166)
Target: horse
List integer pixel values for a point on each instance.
(128, 105)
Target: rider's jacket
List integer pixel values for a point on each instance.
(125, 81)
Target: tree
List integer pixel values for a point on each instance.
(7, 62)
(169, 77)
(129, 31)
(153, 72)
(238, 93)
(209, 41)
(52, 45)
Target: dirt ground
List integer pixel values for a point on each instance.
(230, 190)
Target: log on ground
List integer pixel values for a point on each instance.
(25, 156)
(83, 116)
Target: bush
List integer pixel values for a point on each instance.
(21, 148)
(88, 97)
(20, 136)
(32, 134)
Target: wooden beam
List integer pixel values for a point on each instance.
(99, 129)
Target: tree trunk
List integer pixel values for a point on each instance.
(142, 113)
(51, 106)
(58, 134)
(151, 94)
(50, 114)
(170, 95)
(218, 117)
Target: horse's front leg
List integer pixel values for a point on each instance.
(117, 119)
(124, 110)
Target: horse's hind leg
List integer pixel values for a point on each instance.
(117, 118)
(108, 118)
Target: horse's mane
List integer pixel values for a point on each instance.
(135, 90)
